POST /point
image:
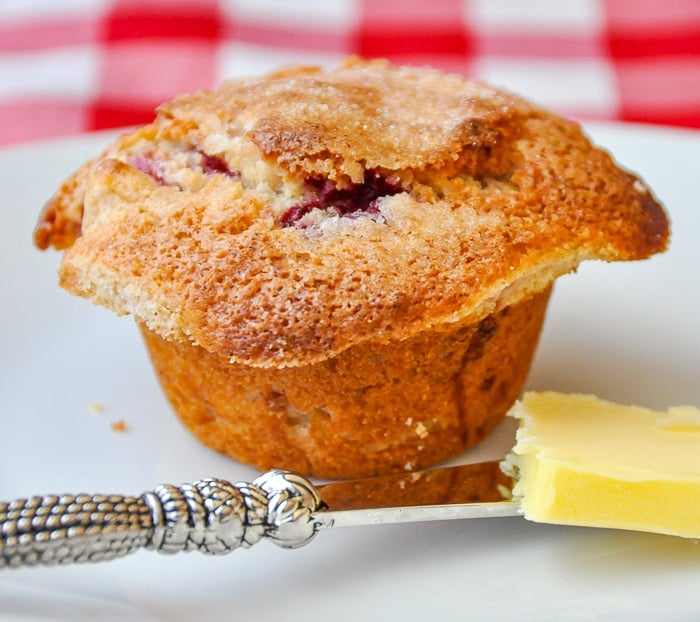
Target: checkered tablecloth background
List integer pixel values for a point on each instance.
(68, 66)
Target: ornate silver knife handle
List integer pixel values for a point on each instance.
(212, 516)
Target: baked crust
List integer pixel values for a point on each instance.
(182, 222)
(376, 408)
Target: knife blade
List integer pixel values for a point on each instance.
(464, 491)
(214, 516)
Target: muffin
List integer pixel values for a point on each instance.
(344, 272)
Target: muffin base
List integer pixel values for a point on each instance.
(373, 409)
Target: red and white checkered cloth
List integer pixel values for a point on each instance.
(68, 66)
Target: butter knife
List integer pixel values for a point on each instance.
(214, 516)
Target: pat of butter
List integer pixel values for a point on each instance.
(583, 461)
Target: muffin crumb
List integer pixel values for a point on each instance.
(119, 426)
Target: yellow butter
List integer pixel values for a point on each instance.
(584, 461)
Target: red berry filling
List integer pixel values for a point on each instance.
(213, 165)
(146, 163)
(154, 167)
(350, 201)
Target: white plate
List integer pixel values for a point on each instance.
(628, 332)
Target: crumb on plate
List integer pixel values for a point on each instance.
(119, 426)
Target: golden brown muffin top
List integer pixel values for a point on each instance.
(280, 220)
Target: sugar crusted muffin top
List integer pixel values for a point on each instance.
(280, 220)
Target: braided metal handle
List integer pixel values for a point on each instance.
(211, 515)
